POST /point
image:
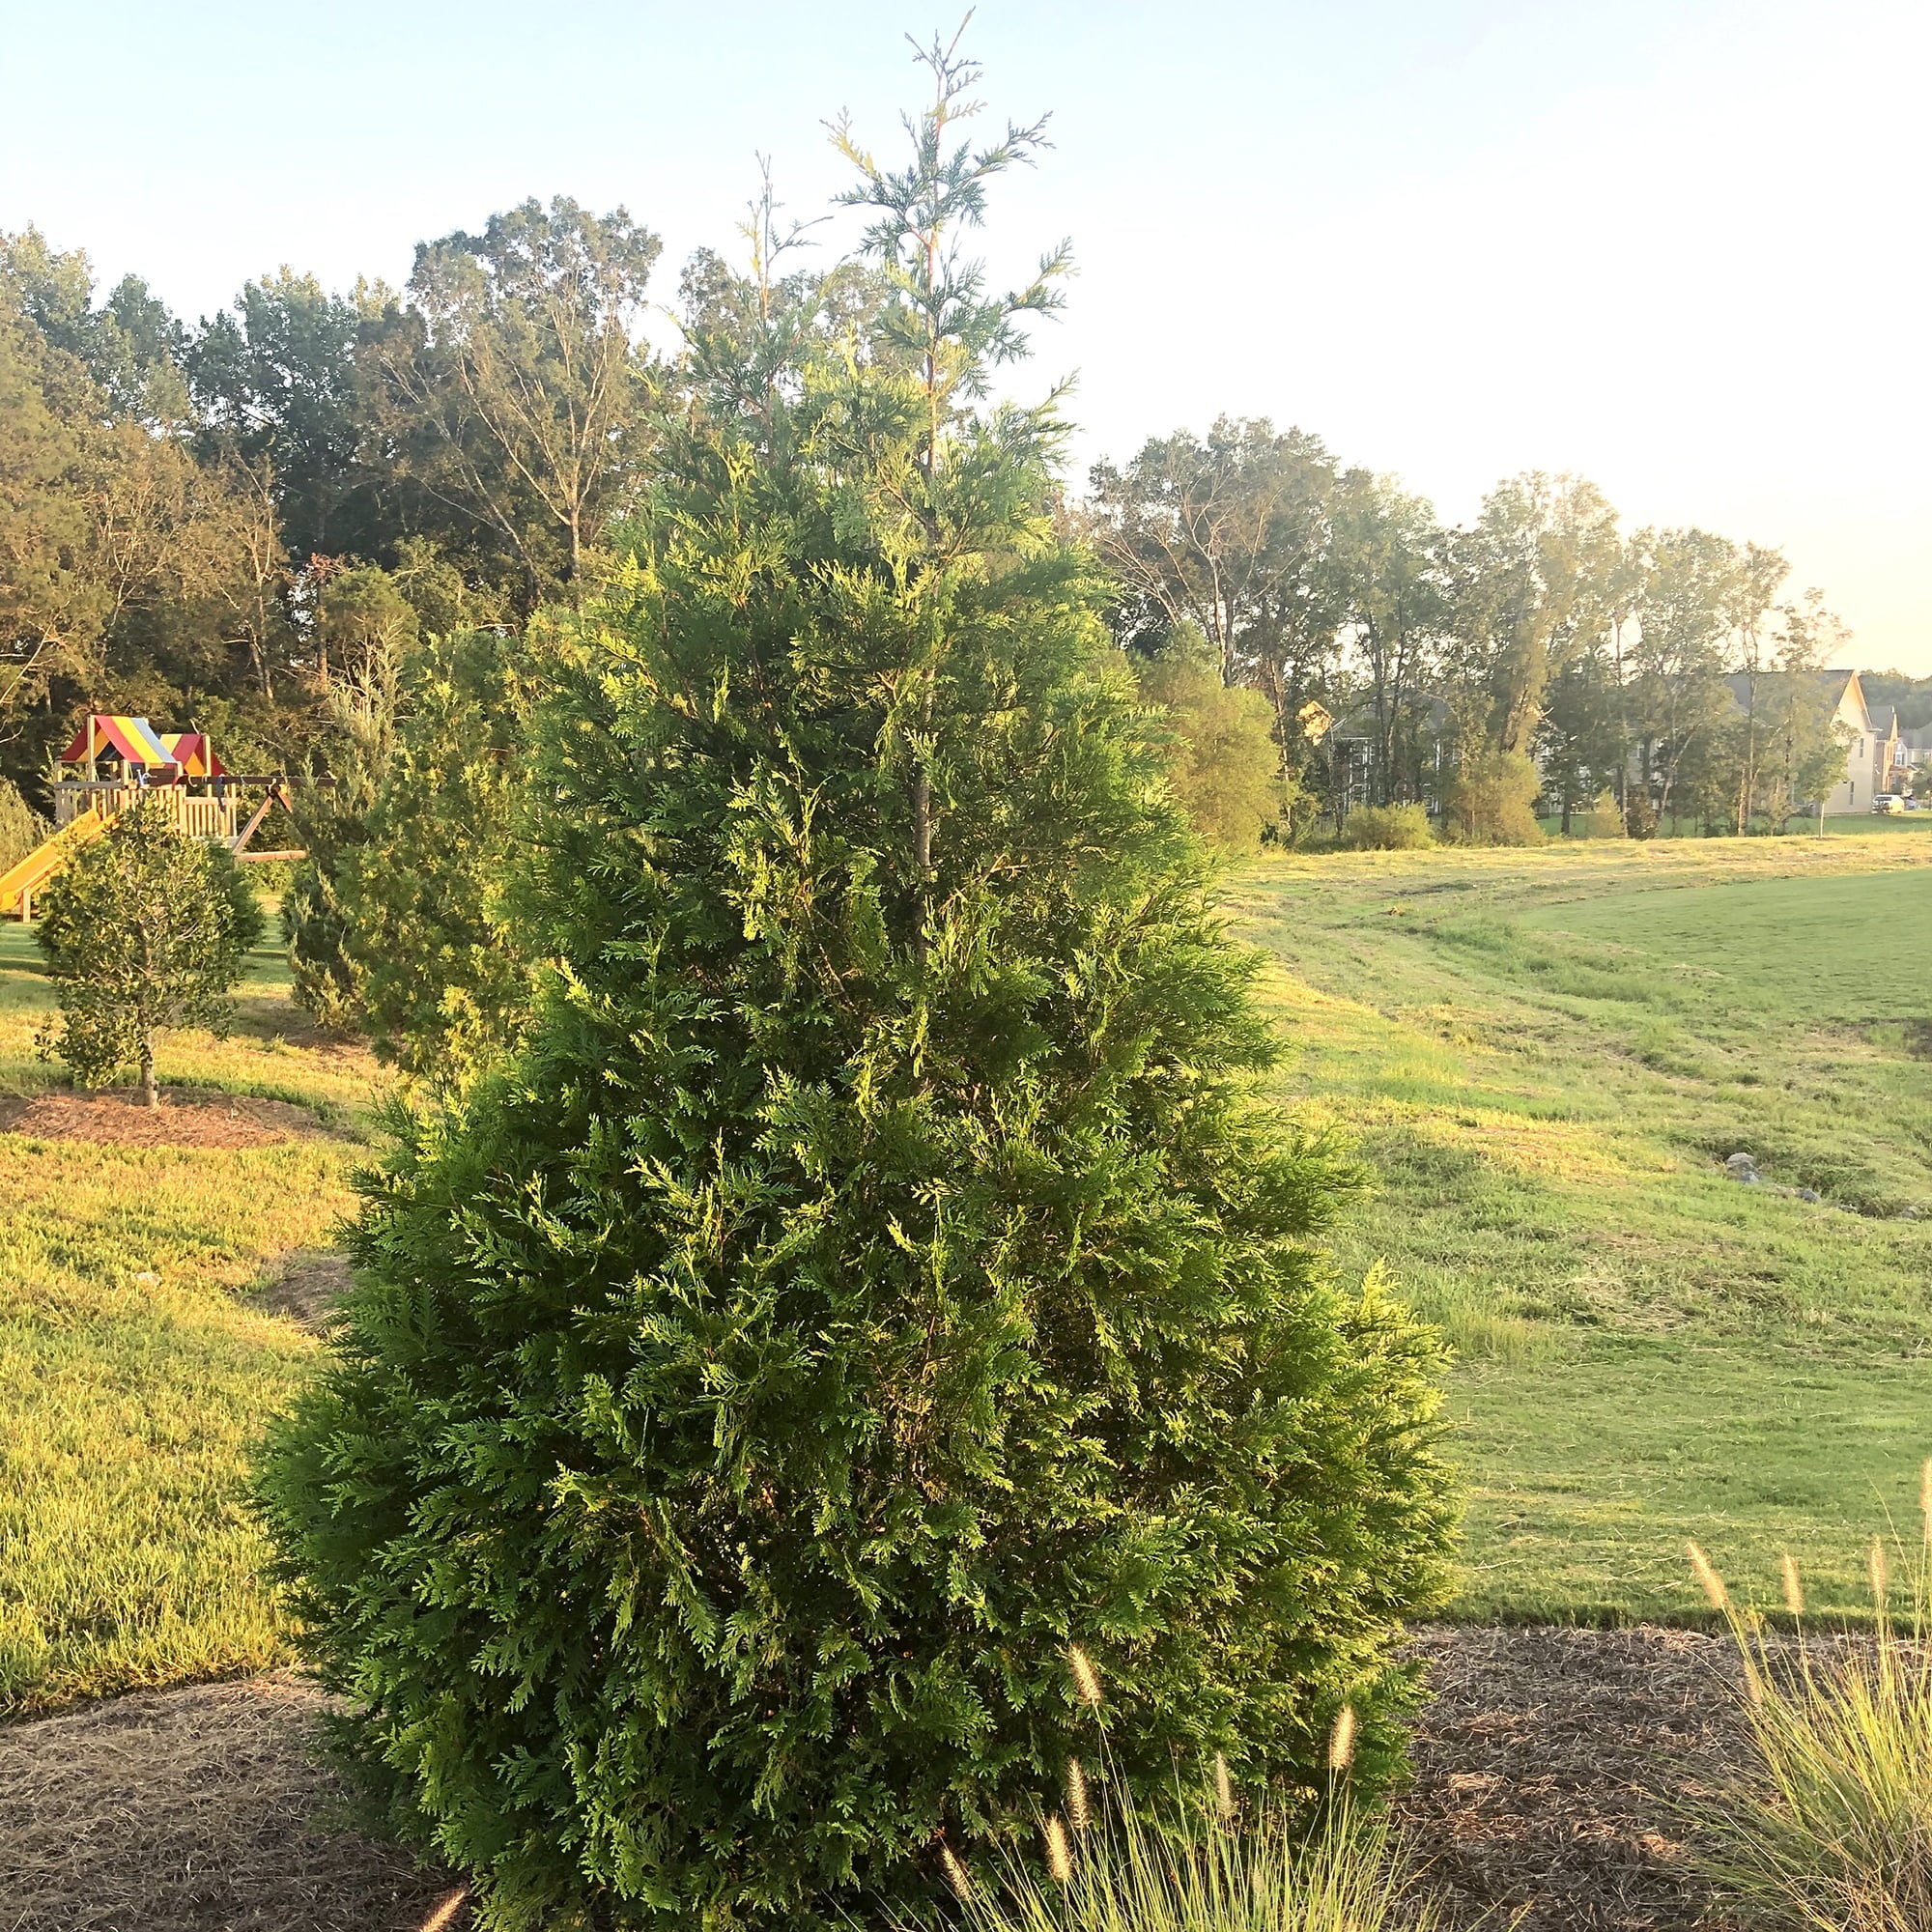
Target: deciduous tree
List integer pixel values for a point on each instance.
(1231, 534)
(512, 383)
(142, 931)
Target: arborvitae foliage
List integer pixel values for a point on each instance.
(143, 929)
(874, 1272)
(394, 918)
(330, 819)
(438, 967)
(21, 827)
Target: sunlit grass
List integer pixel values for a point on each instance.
(134, 1374)
(1544, 1056)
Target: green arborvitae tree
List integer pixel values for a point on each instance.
(330, 819)
(142, 931)
(394, 918)
(874, 1272)
(441, 976)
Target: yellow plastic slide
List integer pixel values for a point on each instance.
(20, 884)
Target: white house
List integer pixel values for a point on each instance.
(1876, 759)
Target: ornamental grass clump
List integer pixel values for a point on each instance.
(1828, 1825)
(1268, 1874)
(1218, 1866)
(875, 1269)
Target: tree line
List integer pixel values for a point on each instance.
(278, 523)
(222, 519)
(1540, 654)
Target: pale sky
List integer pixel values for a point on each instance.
(1679, 248)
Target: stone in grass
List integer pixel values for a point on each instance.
(1741, 1166)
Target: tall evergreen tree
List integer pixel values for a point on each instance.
(874, 1272)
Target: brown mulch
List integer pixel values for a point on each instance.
(1545, 1763)
(194, 1810)
(188, 1116)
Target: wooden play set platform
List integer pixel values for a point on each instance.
(121, 762)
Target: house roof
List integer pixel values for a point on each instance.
(1838, 685)
(1423, 707)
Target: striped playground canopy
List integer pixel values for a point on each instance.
(136, 742)
(190, 749)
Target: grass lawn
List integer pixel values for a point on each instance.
(128, 1409)
(1543, 1056)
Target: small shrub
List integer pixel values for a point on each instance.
(1226, 767)
(142, 931)
(1386, 828)
(1492, 799)
(1605, 819)
(1830, 1825)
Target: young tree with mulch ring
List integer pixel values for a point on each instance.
(142, 931)
(875, 1270)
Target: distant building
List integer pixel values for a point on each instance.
(1877, 758)
(1915, 747)
(1421, 744)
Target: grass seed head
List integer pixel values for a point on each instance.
(1058, 1853)
(1710, 1582)
(956, 1874)
(1086, 1679)
(1794, 1586)
(1224, 1790)
(1076, 1795)
(1925, 1497)
(1341, 1739)
(444, 1914)
(1878, 1572)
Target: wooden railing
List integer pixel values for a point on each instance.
(194, 818)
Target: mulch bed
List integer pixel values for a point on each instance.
(194, 1810)
(1544, 1766)
(188, 1116)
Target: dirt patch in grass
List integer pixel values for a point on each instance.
(197, 1810)
(307, 1288)
(188, 1116)
(1546, 1765)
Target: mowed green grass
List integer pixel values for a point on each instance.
(128, 1411)
(1543, 1056)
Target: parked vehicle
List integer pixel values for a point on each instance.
(1888, 801)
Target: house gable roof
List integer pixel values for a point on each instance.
(1841, 686)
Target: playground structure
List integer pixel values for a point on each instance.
(120, 762)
